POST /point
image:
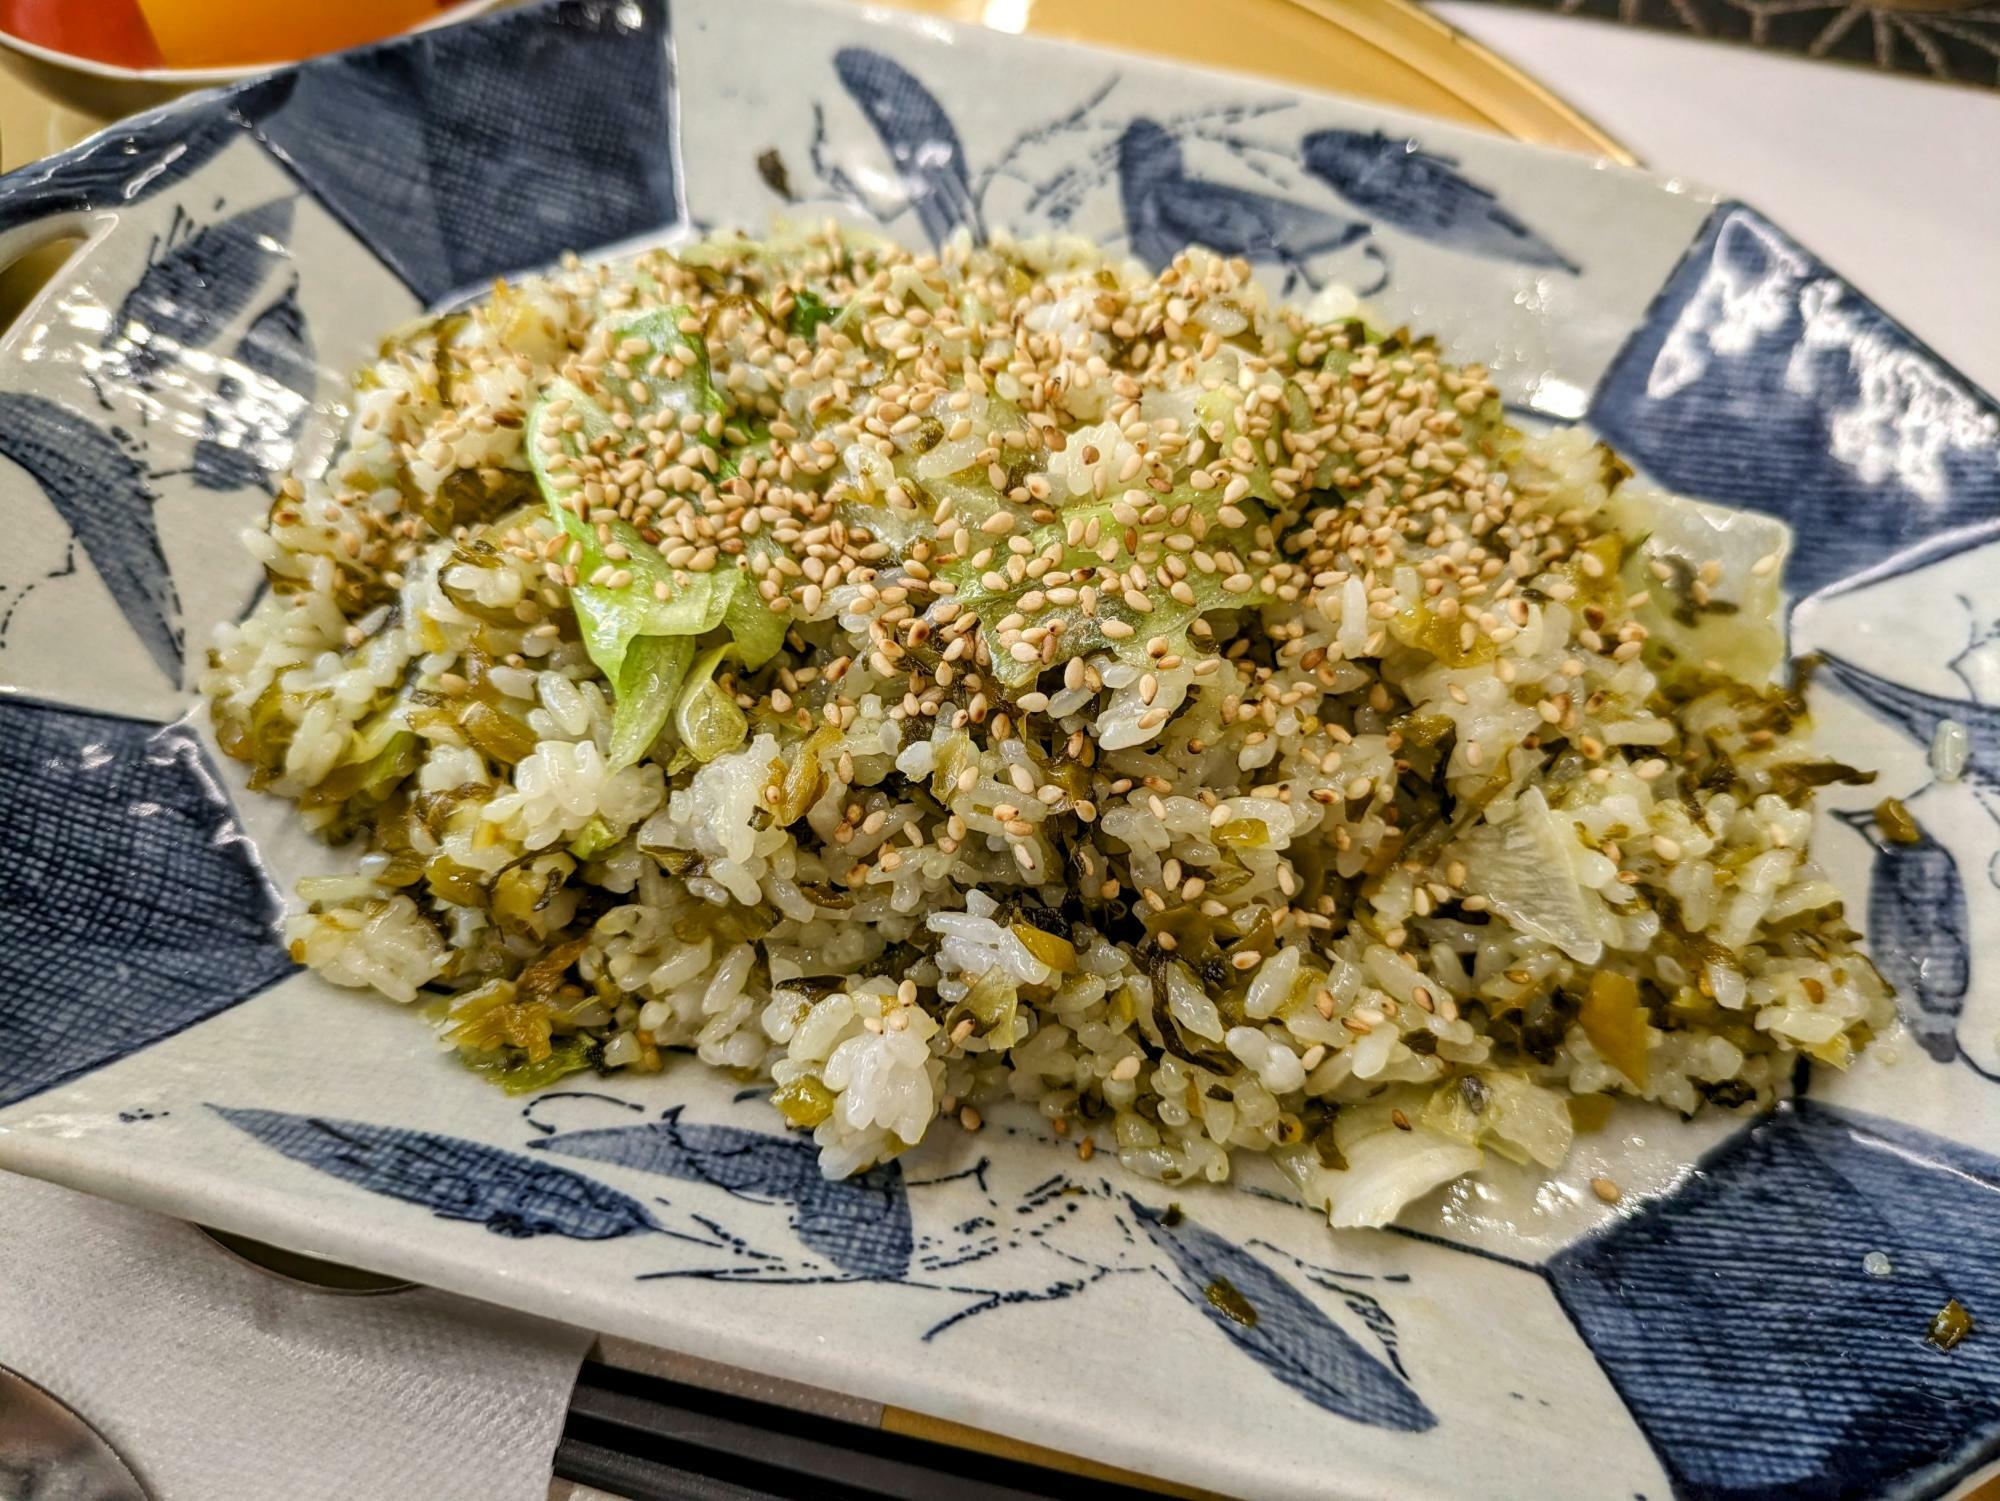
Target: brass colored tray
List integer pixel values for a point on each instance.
(1387, 50)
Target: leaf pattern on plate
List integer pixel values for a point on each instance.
(103, 495)
(249, 429)
(860, 1224)
(1167, 209)
(1424, 194)
(1919, 932)
(193, 287)
(1273, 1322)
(919, 138)
(1918, 714)
(455, 1179)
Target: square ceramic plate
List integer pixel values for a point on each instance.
(1717, 1333)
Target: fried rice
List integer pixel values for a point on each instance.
(922, 681)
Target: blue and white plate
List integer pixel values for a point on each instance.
(1747, 1322)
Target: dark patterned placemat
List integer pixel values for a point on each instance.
(1954, 40)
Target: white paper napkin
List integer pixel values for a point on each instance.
(216, 1381)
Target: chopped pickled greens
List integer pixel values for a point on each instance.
(1456, 643)
(382, 755)
(524, 890)
(517, 1073)
(1794, 780)
(809, 311)
(498, 734)
(1225, 1299)
(1057, 952)
(1616, 1024)
(1836, 1051)
(595, 838)
(804, 1102)
(1244, 833)
(1589, 1112)
(1897, 823)
(1950, 1325)
(992, 1004)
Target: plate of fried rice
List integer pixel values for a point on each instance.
(1331, 774)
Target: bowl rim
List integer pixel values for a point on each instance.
(203, 77)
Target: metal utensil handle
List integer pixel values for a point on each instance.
(48, 1452)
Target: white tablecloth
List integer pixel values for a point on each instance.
(217, 1381)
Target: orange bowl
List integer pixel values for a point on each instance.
(183, 43)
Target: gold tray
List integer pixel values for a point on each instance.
(1386, 50)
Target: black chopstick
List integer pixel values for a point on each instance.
(648, 1439)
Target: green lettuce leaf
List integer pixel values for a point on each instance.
(641, 633)
(707, 720)
(649, 683)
